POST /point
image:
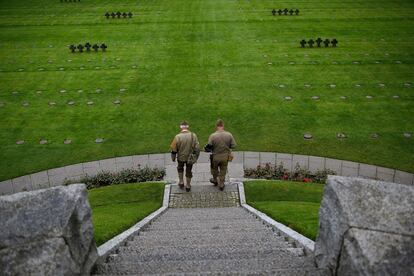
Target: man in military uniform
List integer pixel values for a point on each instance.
(183, 144)
(220, 144)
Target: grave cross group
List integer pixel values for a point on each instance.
(318, 42)
(285, 12)
(118, 15)
(88, 47)
(69, 0)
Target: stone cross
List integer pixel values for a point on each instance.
(103, 47)
(118, 14)
(88, 47)
(124, 14)
(297, 12)
(274, 12)
(107, 15)
(326, 42)
(95, 47)
(318, 42)
(80, 48)
(280, 12)
(285, 11)
(113, 15)
(291, 12)
(334, 42)
(72, 48)
(302, 43)
(130, 14)
(311, 42)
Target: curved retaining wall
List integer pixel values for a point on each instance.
(243, 160)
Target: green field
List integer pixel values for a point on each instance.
(118, 207)
(294, 204)
(200, 60)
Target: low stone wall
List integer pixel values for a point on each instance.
(366, 227)
(243, 160)
(47, 232)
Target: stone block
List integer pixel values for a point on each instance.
(367, 171)
(167, 158)
(91, 168)
(334, 165)
(385, 174)
(403, 177)
(238, 157)
(286, 160)
(156, 160)
(140, 160)
(22, 184)
(301, 160)
(367, 252)
(74, 172)
(57, 176)
(364, 204)
(235, 170)
(350, 168)
(251, 159)
(123, 163)
(40, 180)
(40, 237)
(6, 187)
(108, 165)
(267, 158)
(316, 163)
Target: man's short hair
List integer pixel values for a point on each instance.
(219, 123)
(184, 124)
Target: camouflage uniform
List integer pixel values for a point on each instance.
(181, 145)
(222, 143)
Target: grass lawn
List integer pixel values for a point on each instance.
(199, 60)
(294, 204)
(116, 208)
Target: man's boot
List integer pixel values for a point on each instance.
(181, 180)
(188, 184)
(213, 180)
(221, 180)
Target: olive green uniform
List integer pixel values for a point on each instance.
(222, 143)
(183, 144)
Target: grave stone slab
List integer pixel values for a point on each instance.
(99, 140)
(396, 97)
(52, 103)
(21, 184)
(90, 103)
(43, 141)
(288, 98)
(67, 141)
(25, 104)
(341, 135)
(308, 136)
(315, 98)
(71, 102)
(117, 102)
(286, 160)
(407, 134)
(343, 97)
(375, 136)
(19, 142)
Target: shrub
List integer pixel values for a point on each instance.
(278, 172)
(106, 178)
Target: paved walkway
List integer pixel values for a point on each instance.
(206, 232)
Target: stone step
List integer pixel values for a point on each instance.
(199, 266)
(205, 226)
(233, 247)
(275, 272)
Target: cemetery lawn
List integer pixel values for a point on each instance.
(200, 60)
(116, 208)
(294, 204)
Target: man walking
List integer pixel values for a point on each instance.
(183, 149)
(220, 143)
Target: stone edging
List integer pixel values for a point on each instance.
(243, 160)
(307, 244)
(105, 249)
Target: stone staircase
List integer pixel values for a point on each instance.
(219, 238)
